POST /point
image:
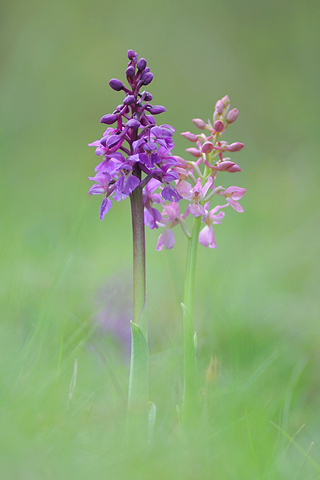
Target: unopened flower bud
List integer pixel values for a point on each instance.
(156, 109)
(129, 100)
(112, 140)
(109, 119)
(147, 78)
(130, 71)
(189, 136)
(235, 147)
(116, 84)
(232, 115)
(148, 97)
(194, 151)
(219, 107)
(234, 168)
(228, 166)
(207, 147)
(142, 63)
(150, 119)
(131, 54)
(225, 101)
(199, 123)
(218, 126)
(133, 123)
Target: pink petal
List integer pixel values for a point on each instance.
(235, 205)
(206, 237)
(216, 219)
(94, 144)
(194, 151)
(196, 209)
(236, 192)
(166, 239)
(172, 210)
(184, 189)
(207, 185)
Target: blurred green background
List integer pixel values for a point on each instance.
(256, 303)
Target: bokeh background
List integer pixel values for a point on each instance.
(65, 274)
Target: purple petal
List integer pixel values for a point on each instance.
(131, 183)
(96, 190)
(151, 217)
(150, 146)
(170, 193)
(118, 156)
(136, 144)
(168, 177)
(105, 207)
(152, 185)
(94, 144)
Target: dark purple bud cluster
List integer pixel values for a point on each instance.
(135, 150)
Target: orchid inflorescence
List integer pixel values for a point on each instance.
(136, 147)
(137, 154)
(197, 177)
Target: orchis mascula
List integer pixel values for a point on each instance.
(135, 147)
(137, 162)
(196, 179)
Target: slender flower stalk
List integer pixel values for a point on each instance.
(136, 159)
(196, 184)
(190, 379)
(138, 393)
(139, 258)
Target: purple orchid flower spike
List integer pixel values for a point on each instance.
(134, 149)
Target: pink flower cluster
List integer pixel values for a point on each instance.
(196, 182)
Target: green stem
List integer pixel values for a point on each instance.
(190, 361)
(139, 262)
(137, 420)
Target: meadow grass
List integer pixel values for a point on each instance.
(64, 380)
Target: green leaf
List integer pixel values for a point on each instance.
(138, 382)
(139, 420)
(151, 421)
